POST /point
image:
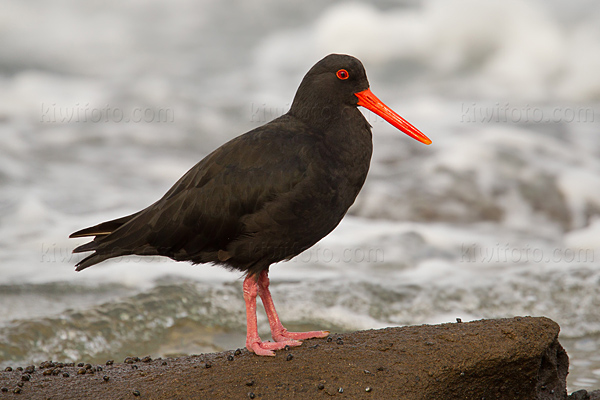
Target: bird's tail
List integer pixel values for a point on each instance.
(101, 232)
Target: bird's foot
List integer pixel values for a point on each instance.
(285, 335)
(266, 348)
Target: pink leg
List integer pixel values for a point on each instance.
(253, 342)
(278, 332)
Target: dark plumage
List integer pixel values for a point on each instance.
(266, 195)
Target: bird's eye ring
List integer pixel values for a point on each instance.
(342, 74)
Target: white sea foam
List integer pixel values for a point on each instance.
(515, 49)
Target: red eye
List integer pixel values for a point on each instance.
(342, 74)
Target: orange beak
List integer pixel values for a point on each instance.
(367, 99)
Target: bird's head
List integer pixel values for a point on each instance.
(340, 80)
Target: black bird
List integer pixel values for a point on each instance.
(265, 196)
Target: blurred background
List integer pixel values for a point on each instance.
(104, 105)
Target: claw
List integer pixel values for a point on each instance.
(257, 348)
(265, 348)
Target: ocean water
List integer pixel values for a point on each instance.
(104, 105)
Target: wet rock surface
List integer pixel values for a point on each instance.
(518, 358)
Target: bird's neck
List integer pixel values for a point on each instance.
(344, 139)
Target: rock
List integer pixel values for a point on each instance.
(518, 358)
(579, 395)
(584, 395)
